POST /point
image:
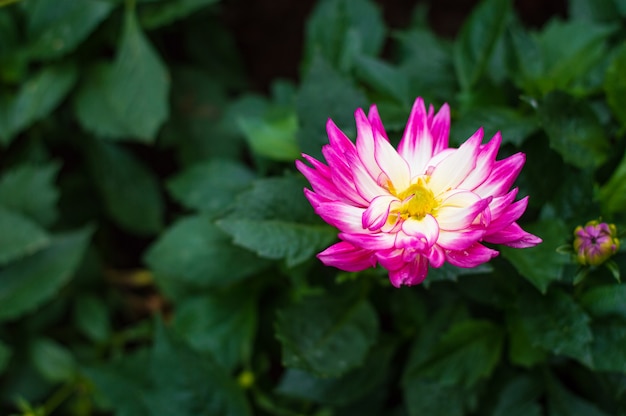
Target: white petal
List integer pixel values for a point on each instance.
(392, 164)
(375, 216)
(365, 143)
(365, 185)
(416, 145)
(454, 169)
(419, 234)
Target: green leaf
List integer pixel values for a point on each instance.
(514, 126)
(522, 348)
(193, 253)
(281, 226)
(56, 27)
(477, 40)
(273, 136)
(222, 324)
(427, 397)
(574, 130)
(568, 52)
(343, 29)
(607, 348)
(91, 317)
(327, 336)
(556, 323)
(185, 383)
(605, 301)
(128, 99)
(384, 78)
(430, 334)
(524, 59)
(27, 283)
(275, 198)
(166, 12)
(427, 62)
(563, 402)
(30, 190)
(615, 85)
(424, 395)
(36, 99)
(54, 361)
(130, 190)
(520, 397)
(8, 38)
(613, 193)
(276, 239)
(210, 187)
(541, 265)
(122, 382)
(561, 57)
(468, 352)
(5, 356)
(349, 388)
(593, 10)
(19, 236)
(324, 94)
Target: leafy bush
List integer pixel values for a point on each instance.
(157, 255)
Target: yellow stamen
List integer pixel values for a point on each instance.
(420, 201)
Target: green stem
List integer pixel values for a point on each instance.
(130, 5)
(59, 396)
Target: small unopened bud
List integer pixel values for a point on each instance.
(595, 243)
(246, 379)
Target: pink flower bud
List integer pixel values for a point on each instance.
(595, 242)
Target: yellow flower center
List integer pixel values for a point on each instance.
(421, 201)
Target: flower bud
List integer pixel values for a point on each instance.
(595, 242)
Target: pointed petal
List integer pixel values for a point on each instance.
(378, 241)
(473, 256)
(338, 140)
(391, 163)
(319, 182)
(365, 185)
(440, 129)
(375, 216)
(347, 257)
(418, 234)
(416, 145)
(454, 169)
(342, 176)
(513, 236)
(484, 163)
(410, 274)
(314, 199)
(500, 204)
(460, 210)
(502, 176)
(346, 218)
(365, 143)
(508, 215)
(391, 259)
(460, 240)
(436, 256)
(376, 122)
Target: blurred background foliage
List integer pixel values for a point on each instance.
(157, 253)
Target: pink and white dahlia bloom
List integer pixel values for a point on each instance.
(418, 206)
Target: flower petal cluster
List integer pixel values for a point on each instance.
(416, 206)
(595, 242)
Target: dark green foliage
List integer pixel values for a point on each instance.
(326, 336)
(157, 252)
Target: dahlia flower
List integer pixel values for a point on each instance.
(418, 206)
(595, 243)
